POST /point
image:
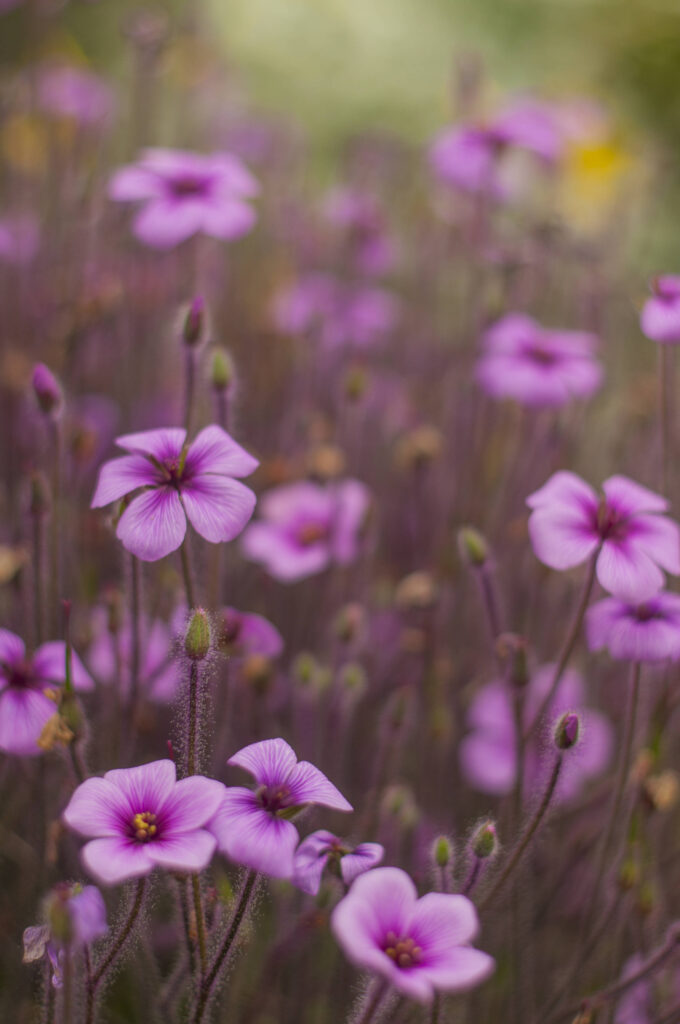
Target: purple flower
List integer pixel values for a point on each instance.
(537, 366)
(343, 315)
(243, 634)
(420, 946)
(323, 848)
(142, 818)
(660, 318)
(24, 708)
(570, 522)
(305, 528)
(252, 826)
(71, 92)
(186, 193)
(636, 632)
(488, 752)
(76, 916)
(110, 657)
(47, 389)
(179, 482)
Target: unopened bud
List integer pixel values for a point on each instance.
(47, 389)
(352, 679)
(40, 495)
(567, 731)
(472, 546)
(198, 637)
(258, 671)
(222, 371)
(399, 803)
(646, 898)
(442, 851)
(192, 332)
(59, 915)
(484, 841)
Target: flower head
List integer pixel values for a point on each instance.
(569, 523)
(537, 366)
(178, 482)
(24, 707)
(76, 916)
(321, 849)
(305, 528)
(252, 826)
(186, 193)
(142, 818)
(660, 318)
(241, 634)
(420, 946)
(636, 632)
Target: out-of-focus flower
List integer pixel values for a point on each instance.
(242, 634)
(636, 632)
(24, 708)
(185, 194)
(569, 522)
(72, 92)
(110, 657)
(321, 849)
(421, 946)
(252, 826)
(359, 214)
(488, 754)
(142, 818)
(76, 916)
(19, 238)
(305, 528)
(181, 481)
(660, 317)
(537, 366)
(47, 389)
(343, 314)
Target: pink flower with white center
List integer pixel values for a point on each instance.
(660, 317)
(252, 826)
(142, 818)
(322, 849)
(179, 481)
(305, 528)
(420, 946)
(537, 366)
(634, 542)
(186, 193)
(24, 708)
(636, 632)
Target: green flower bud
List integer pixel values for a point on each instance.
(198, 637)
(484, 842)
(221, 370)
(442, 851)
(472, 546)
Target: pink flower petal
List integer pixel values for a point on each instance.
(192, 803)
(218, 507)
(628, 497)
(227, 218)
(561, 538)
(440, 921)
(627, 572)
(49, 665)
(310, 860)
(23, 713)
(153, 525)
(122, 476)
(213, 450)
(12, 648)
(564, 488)
(250, 835)
(163, 444)
(99, 808)
(363, 858)
(112, 861)
(286, 561)
(164, 223)
(309, 785)
(270, 762)
(131, 183)
(147, 786)
(659, 538)
(190, 851)
(460, 969)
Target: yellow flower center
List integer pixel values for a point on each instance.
(144, 826)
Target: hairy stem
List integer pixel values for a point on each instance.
(94, 980)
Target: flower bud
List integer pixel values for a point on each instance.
(472, 546)
(484, 841)
(47, 390)
(352, 679)
(349, 622)
(222, 370)
(567, 731)
(192, 331)
(419, 447)
(58, 914)
(442, 851)
(258, 671)
(198, 637)
(629, 875)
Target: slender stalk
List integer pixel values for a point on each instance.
(665, 365)
(473, 877)
(374, 1001)
(193, 718)
(55, 521)
(487, 586)
(210, 978)
(434, 1014)
(50, 998)
(38, 578)
(135, 631)
(94, 980)
(200, 923)
(184, 907)
(77, 762)
(186, 574)
(528, 835)
(190, 387)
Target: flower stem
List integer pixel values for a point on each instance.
(55, 522)
(210, 978)
(665, 366)
(200, 923)
(472, 878)
(528, 835)
(135, 627)
(186, 574)
(374, 1002)
(434, 1015)
(38, 578)
(190, 388)
(94, 980)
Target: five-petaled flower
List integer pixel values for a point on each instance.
(420, 946)
(179, 481)
(24, 707)
(252, 826)
(633, 541)
(142, 818)
(186, 193)
(636, 632)
(323, 848)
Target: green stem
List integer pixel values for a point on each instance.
(193, 718)
(200, 923)
(94, 980)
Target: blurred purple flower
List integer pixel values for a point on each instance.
(78, 916)
(142, 818)
(488, 754)
(344, 315)
(71, 92)
(420, 946)
(537, 366)
(359, 215)
(635, 1005)
(660, 317)
(186, 193)
(323, 848)
(570, 522)
(47, 389)
(110, 657)
(305, 528)
(252, 827)
(193, 482)
(636, 632)
(19, 238)
(24, 708)
(242, 634)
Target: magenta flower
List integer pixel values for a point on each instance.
(421, 946)
(179, 482)
(537, 366)
(142, 818)
(243, 634)
(488, 753)
(71, 92)
(660, 318)
(569, 523)
(24, 708)
(110, 655)
(252, 826)
(185, 194)
(321, 849)
(342, 315)
(80, 915)
(305, 528)
(636, 632)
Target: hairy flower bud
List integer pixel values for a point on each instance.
(442, 851)
(222, 371)
(198, 637)
(47, 390)
(472, 546)
(567, 731)
(194, 321)
(356, 383)
(484, 840)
